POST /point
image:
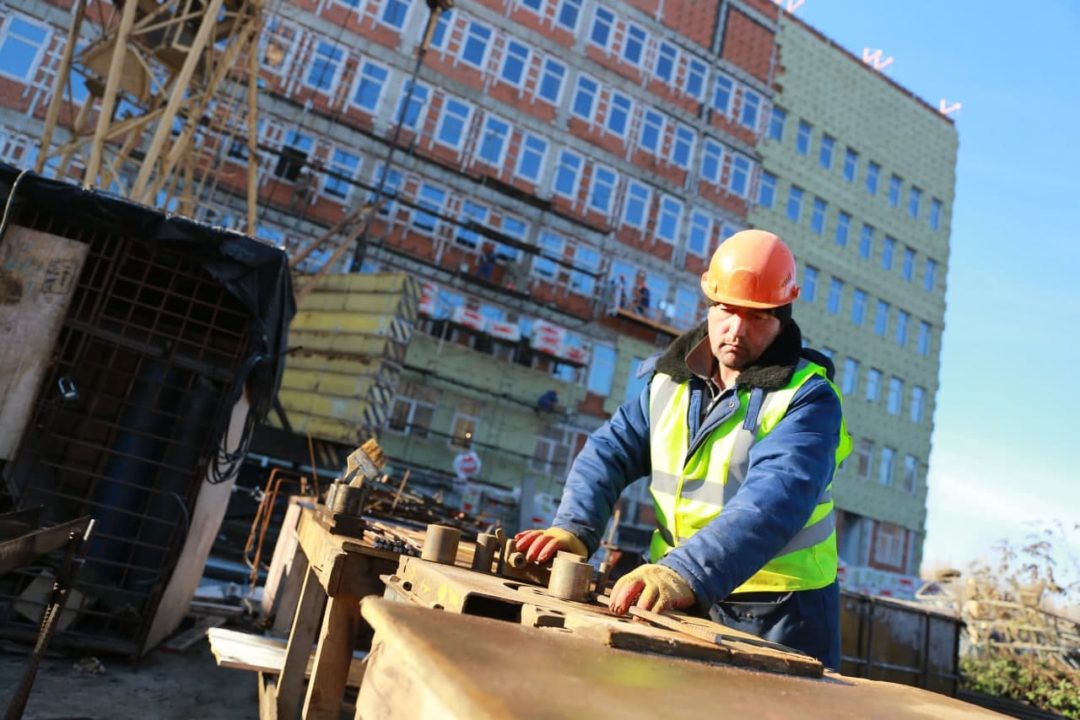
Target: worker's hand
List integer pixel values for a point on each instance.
(653, 587)
(540, 546)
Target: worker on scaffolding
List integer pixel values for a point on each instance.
(740, 430)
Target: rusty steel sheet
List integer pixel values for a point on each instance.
(459, 590)
(430, 663)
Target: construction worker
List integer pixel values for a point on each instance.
(740, 430)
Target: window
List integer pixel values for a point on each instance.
(826, 151)
(722, 93)
(634, 384)
(451, 130)
(802, 139)
(583, 280)
(866, 241)
(568, 174)
(836, 295)
(475, 213)
(911, 470)
(475, 48)
(634, 44)
(395, 12)
(794, 203)
(652, 131)
(767, 189)
(866, 457)
(914, 199)
(929, 274)
(603, 21)
(618, 115)
(740, 175)
(515, 61)
(515, 228)
(669, 219)
(531, 159)
(873, 170)
(294, 155)
(682, 146)
(21, 48)
(851, 162)
(601, 369)
(809, 284)
(343, 169)
(537, 6)
(712, 160)
(916, 409)
(325, 66)
(438, 38)
(390, 187)
(493, 141)
(413, 116)
(923, 342)
(873, 384)
(894, 190)
(776, 124)
(907, 269)
(603, 186)
(817, 216)
(858, 307)
(695, 79)
(369, 86)
(885, 463)
(888, 250)
(430, 200)
(667, 55)
(701, 226)
(850, 380)
(551, 246)
(843, 224)
(902, 319)
(414, 408)
(684, 315)
(585, 97)
(463, 427)
(935, 214)
(881, 318)
(896, 395)
(551, 80)
(636, 206)
(568, 14)
(751, 105)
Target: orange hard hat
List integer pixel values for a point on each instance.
(752, 268)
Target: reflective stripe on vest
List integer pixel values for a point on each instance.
(689, 492)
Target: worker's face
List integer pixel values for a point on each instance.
(738, 336)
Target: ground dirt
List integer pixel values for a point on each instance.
(162, 686)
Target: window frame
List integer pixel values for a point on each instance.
(361, 76)
(465, 122)
(508, 55)
(506, 140)
(526, 137)
(472, 34)
(632, 185)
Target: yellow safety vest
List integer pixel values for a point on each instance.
(689, 493)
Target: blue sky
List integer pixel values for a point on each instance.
(1004, 449)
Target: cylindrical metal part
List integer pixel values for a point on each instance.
(507, 548)
(570, 578)
(486, 547)
(516, 560)
(441, 544)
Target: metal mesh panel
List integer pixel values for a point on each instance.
(128, 420)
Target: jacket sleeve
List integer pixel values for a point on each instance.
(789, 468)
(614, 456)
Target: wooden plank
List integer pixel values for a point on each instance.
(304, 628)
(256, 653)
(336, 643)
(267, 695)
(282, 564)
(183, 641)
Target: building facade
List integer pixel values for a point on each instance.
(558, 173)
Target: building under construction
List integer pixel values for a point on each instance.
(553, 177)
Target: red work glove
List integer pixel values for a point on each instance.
(653, 587)
(540, 546)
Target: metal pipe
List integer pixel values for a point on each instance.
(441, 544)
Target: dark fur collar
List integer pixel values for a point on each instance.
(773, 369)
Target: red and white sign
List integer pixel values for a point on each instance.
(429, 297)
(504, 331)
(468, 317)
(467, 465)
(547, 337)
(574, 354)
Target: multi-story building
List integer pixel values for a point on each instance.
(562, 171)
(858, 174)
